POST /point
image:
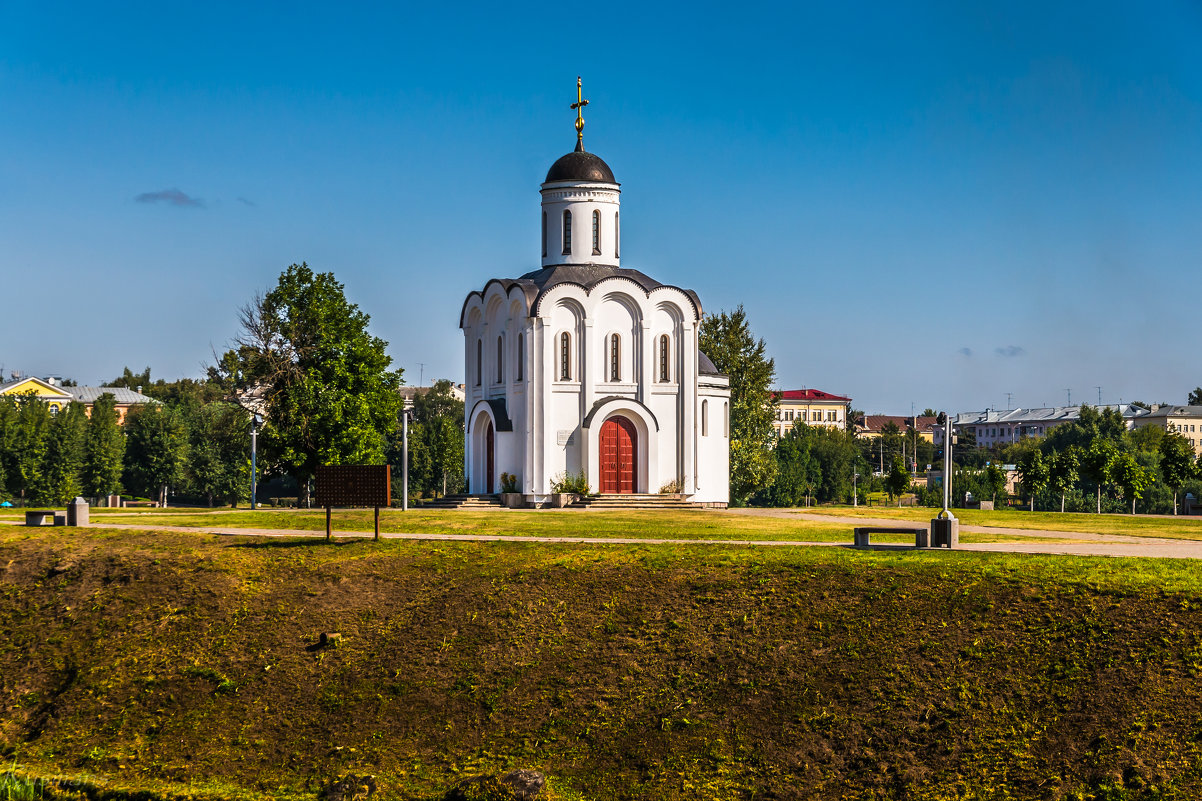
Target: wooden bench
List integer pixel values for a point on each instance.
(922, 536)
(45, 517)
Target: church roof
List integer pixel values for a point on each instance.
(580, 165)
(706, 366)
(537, 283)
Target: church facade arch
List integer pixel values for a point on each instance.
(647, 449)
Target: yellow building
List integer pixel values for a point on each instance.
(44, 390)
(870, 426)
(1183, 420)
(810, 406)
(58, 396)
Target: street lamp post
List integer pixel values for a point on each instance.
(855, 495)
(405, 460)
(255, 422)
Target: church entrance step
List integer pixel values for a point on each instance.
(463, 502)
(615, 501)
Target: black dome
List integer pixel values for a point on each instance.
(580, 165)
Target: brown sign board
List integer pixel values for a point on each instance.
(354, 485)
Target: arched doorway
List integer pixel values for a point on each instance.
(619, 444)
(489, 455)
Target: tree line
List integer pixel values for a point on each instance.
(192, 449)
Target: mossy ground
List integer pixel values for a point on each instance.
(188, 665)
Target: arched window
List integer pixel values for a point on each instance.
(596, 233)
(726, 420)
(616, 237)
(521, 355)
(479, 361)
(544, 233)
(565, 357)
(615, 358)
(705, 418)
(664, 349)
(567, 232)
(500, 360)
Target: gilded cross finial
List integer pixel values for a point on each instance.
(579, 107)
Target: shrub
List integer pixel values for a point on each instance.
(509, 482)
(571, 482)
(671, 488)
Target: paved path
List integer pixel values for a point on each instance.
(1071, 543)
(1075, 543)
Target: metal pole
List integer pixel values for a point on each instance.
(405, 461)
(947, 466)
(254, 440)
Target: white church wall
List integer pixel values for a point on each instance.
(713, 440)
(559, 197)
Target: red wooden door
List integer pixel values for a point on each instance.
(619, 444)
(491, 456)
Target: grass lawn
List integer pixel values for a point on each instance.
(647, 524)
(184, 665)
(1187, 528)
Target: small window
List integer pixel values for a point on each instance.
(500, 360)
(521, 356)
(705, 418)
(544, 233)
(615, 358)
(565, 357)
(615, 235)
(596, 233)
(726, 420)
(479, 361)
(567, 232)
(663, 358)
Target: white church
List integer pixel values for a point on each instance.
(587, 367)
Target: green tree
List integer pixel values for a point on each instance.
(1195, 397)
(64, 455)
(9, 439)
(218, 466)
(31, 441)
(1131, 477)
(1034, 474)
(728, 341)
(1177, 464)
(104, 449)
(1098, 464)
(898, 479)
(155, 450)
(1064, 471)
(435, 443)
(995, 480)
(328, 394)
(798, 473)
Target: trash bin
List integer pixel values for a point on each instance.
(945, 532)
(77, 512)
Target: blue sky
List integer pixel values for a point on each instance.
(933, 203)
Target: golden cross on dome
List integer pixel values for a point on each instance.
(579, 107)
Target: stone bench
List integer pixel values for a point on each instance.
(45, 517)
(922, 537)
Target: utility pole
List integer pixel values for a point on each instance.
(1009, 395)
(421, 374)
(1070, 396)
(255, 422)
(1099, 389)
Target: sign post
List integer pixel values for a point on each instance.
(354, 485)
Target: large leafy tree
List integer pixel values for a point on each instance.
(1176, 463)
(218, 466)
(156, 450)
(1098, 465)
(1195, 397)
(728, 341)
(1132, 478)
(325, 384)
(104, 449)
